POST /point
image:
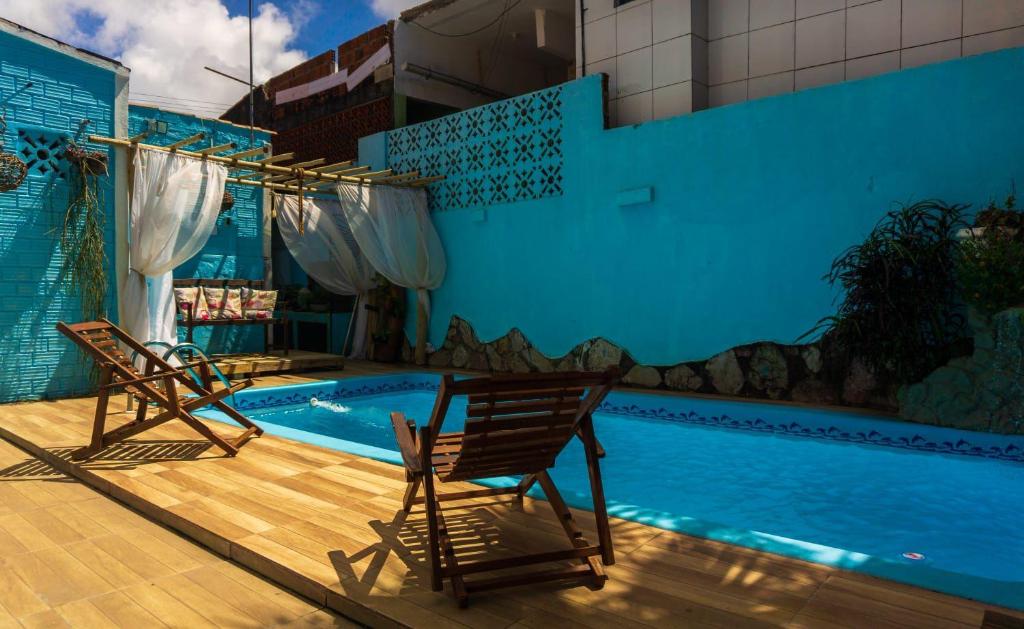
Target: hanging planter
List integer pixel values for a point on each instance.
(12, 169)
(81, 238)
(228, 201)
(93, 163)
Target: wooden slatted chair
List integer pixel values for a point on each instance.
(158, 382)
(516, 426)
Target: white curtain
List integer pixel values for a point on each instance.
(327, 251)
(393, 229)
(174, 206)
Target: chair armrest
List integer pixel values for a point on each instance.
(134, 381)
(404, 432)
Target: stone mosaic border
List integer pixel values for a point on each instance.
(764, 370)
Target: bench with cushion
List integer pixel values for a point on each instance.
(218, 302)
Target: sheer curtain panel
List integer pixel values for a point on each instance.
(174, 206)
(326, 250)
(393, 229)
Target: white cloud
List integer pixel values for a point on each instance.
(166, 43)
(389, 9)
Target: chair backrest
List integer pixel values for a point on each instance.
(100, 340)
(516, 424)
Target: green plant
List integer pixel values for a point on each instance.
(81, 237)
(899, 311)
(389, 308)
(991, 265)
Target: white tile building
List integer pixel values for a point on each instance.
(668, 57)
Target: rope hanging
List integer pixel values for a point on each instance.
(302, 201)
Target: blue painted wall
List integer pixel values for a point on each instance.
(235, 250)
(751, 202)
(35, 360)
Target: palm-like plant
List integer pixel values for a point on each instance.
(899, 312)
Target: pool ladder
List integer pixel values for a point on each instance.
(186, 353)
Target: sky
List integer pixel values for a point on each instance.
(166, 43)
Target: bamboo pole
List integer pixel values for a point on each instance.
(421, 332)
(280, 157)
(210, 150)
(413, 174)
(260, 150)
(376, 174)
(139, 137)
(172, 147)
(256, 166)
(312, 162)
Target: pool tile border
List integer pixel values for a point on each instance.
(302, 393)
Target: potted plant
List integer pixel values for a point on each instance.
(387, 307)
(991, 265)
(320, 300)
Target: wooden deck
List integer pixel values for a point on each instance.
(70, 556)
(297, 360)
(328, 525)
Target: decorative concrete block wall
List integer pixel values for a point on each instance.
(235, 250)
(35, 360)
(505, 152)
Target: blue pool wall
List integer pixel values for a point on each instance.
(749, 204)
(235, 250)
(35, 360)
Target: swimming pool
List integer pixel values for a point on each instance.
(934, 507)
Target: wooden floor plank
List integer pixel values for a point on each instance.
(329, 525)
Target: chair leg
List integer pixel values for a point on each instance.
(431, 505)
(205, 431)
(604, 534)
(410, 493)
(568, 523)
(100, 419)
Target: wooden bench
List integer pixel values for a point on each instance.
(190, 322)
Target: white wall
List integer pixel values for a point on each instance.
(759, 48)
(653, 51)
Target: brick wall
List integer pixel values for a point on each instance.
(327, 124)
(335, 136)
(309, 70)
(35, 360)
(235, 250)
(355, 51)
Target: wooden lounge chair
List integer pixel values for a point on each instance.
(159, 383)
(516, 426)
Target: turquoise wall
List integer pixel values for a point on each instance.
(235, 250)
(35, 360)
(751, 203)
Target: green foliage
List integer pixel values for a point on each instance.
(82, 243)
(899, 310)
(991, 267)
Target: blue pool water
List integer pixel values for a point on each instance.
(846, 490)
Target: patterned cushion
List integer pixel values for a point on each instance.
(258, 304)
(191, 298)
(223, 303)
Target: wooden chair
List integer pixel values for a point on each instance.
(516, 425)
(159, 382)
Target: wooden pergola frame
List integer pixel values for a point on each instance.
(272, 173)
(269, 172)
